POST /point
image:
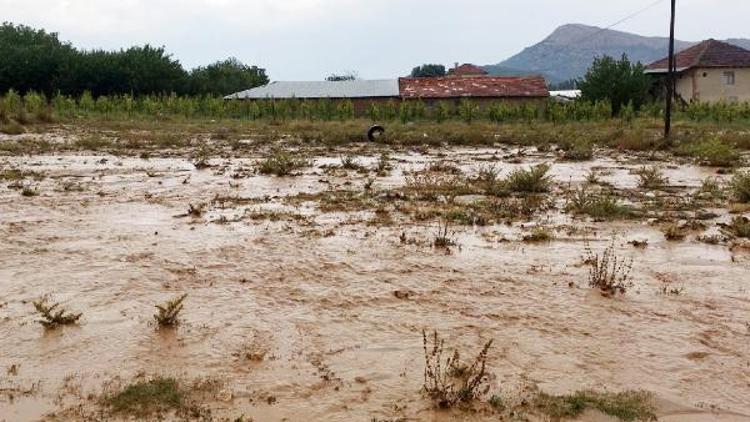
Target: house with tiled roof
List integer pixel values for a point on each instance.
(712, 71)
(479, 89)
(467, 69)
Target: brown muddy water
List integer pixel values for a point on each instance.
(294, 311)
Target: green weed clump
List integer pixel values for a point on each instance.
(740, 227)
(281, 164)
(168, 315)
(651, 178)
(53, 315)
(740, 186)
(533, 180)
(600, 205)
(626, 406)
(146, 398)
(713, 152)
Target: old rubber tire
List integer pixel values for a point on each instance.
(375, 132)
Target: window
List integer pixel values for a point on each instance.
(728, 78)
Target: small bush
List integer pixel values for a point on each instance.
(608, 272)
(598, 205)
(449, 382)
(12, 128)
(714, 152)
(168, 315)
(281, 164)
(539, 234)
(579, 151)
(740, 186)
(651, 178)
(29, 192)
(53, 315)
(740, 227)
(533, 180)
(146, 398)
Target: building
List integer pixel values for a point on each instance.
(467, 69)
(479, 89)
(363, 93)
(712, 71)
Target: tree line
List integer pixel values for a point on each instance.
(36, 60)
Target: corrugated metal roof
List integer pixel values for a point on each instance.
(710, 53)
(474, 86)
(323, 89)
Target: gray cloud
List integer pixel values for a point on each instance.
(308, 39)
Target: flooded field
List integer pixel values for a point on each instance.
(308, 293)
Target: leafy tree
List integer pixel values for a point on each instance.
(618, 81)
(34, 60)
(348, 76)
(428, 71)
(226, 77)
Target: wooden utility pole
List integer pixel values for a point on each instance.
(670, 76)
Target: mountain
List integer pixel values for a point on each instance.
(568, 52)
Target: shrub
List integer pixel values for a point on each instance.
(598, 205)
(740, 186)
(53, 315)
(12, 128)
(651, 178)
(608, 272)
(740, 227)
(533, 180)
(579, 151)
(713, 152)
(281, 164)
(169, 312)
(449, 382)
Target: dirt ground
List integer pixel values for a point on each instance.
(308, 293)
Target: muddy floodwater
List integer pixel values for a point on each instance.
(300, 307)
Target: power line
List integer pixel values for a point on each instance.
(625, 19)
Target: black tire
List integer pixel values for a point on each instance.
(375, 132)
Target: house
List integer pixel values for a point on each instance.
(467, 69)
(363, 93)
(481, 90)
(712, 71)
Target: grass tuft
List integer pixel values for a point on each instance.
(145, 398)
(651, 178)
(281, 164)
(740, 186)
(626, 406)
(533, 180)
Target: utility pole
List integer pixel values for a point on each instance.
(670, 76)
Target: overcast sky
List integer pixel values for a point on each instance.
(309, 39)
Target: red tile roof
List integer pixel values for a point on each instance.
(467, 69)
(710, 53)
(483, 86)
